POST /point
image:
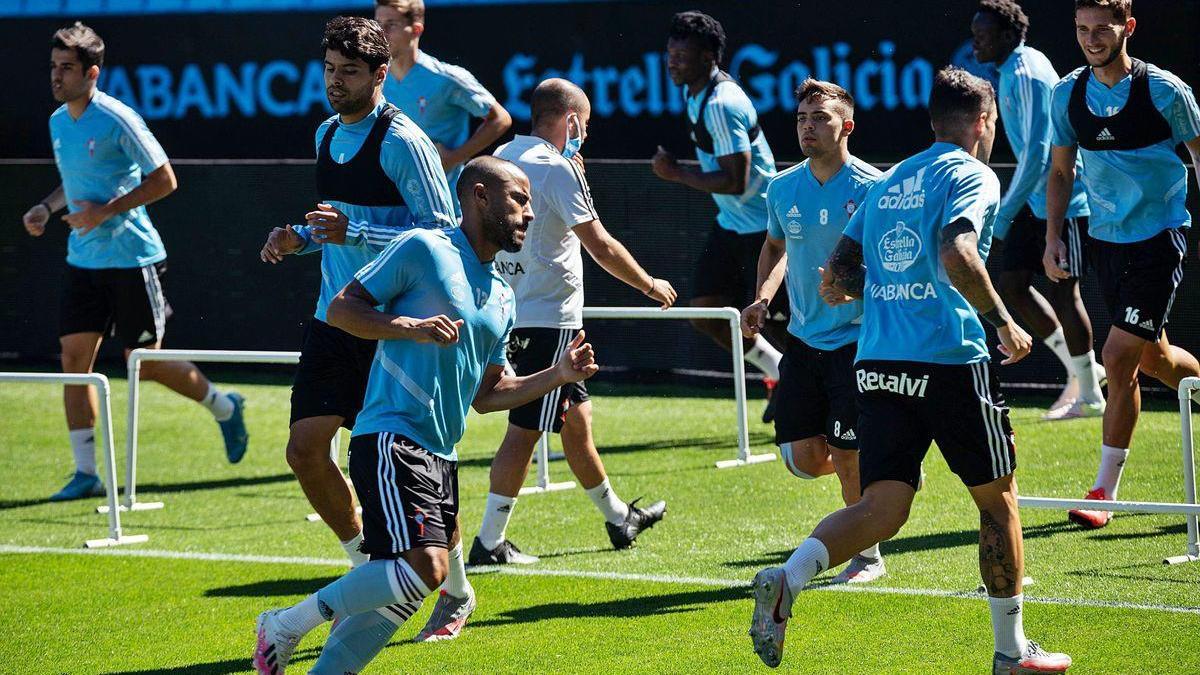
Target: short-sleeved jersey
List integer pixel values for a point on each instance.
(410, 160)
(911, 311)
(547, 273)
(423, 390)
(101, 156)
(729, 117)
(810, 218)
(441, 99)
(1026, 81)
(1133, 194)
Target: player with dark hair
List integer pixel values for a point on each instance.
(809, 206)
(446, 314)
(915, 254)
(111, 168)
(1026, 80)
(736, 165)
(1125, 118)
(439, 97)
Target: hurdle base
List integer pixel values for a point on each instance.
(316, 517)
(752, 459)
(551, 487)
(108, 542)
(136, 506)
(1181, 559)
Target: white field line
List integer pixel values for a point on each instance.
(576, 574)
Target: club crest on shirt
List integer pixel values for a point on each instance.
(851, 207)
(899, 248)
(421, 103)
(794, 229)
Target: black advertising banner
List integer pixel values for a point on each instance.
(249, 85)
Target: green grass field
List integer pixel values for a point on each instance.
(677, 602)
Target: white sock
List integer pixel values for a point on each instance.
(764, 357)
(1008, 629)
(1084, 367)
(456, 583)
(807, 561)
(220, 405)
(1112, 462)
(495, 519)
(83, 446)
(871, 552)
(302, 618)
(1057, 343)
(605, 498)
(356, 556)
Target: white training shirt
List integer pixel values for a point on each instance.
(547, 274)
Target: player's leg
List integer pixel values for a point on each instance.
(456, 598)
(802, 407)
(80, 404)
(1168, 363)
(322, 480)
(1076, 325)
(624, 521)
(509, 469)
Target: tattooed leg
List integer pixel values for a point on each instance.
(1001, 549)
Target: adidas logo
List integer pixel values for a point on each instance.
(1147, 324)
(1105, 135)
(1014, 611)
(507, 508)
(793, 212)
(909, 194)
(848, 436)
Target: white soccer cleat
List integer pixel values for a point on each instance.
(1034, 660)
(861, 570)
(1077, 410)
(772, 607)
(450, 614)
(275, 645)
(1069, 395)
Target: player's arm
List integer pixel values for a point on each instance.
(960, 259)
(38, 215)
(1033, 117)
(1059, 184)
(844, 276)
(353, 310)
(496, 122)
(772, 268)
(413, 164)
(730, 179)
(154, 186)
(503, 391)
(619, 262)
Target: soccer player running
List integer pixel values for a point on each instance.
(735, 166)
(111, 168)
(377, 176)
(808, 208)
(439, 97)
(1026, 80)
(915, 253)
(547, 277)
(1125, 117)
(446, 315)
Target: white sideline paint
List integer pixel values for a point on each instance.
(575, 574)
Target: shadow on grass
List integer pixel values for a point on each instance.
(6, 504)
(272, 588)
(699, 443)
(214, 484)
(240, 665)
(1121, 573)
(642, 605)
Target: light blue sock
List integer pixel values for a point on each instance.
(355, 641)
(376, 584)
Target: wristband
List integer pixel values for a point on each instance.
(46, 206)
(650, 290)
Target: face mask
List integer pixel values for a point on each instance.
(572, 146)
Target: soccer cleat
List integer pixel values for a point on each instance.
(275, 645)
(449, 615)
(505, 553)
(1076, 410)
(768, 415)
(1069, 395)
(639, 519)
(1088, 518)
(861, 570)
(81, 486)
(1034, 660)
(772, 607)
(234, 430)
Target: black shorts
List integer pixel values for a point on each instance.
(409, 496)
(530, 350)
(904, 406)
(728, 269)
(816, 395)
(1138, 280)
(1025, 245)
(331, 378)
(126, 303)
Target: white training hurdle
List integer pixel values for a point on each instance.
(1189, 508)
(115, 535)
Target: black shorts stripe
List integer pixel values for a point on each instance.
(393, 506)
(550, 401)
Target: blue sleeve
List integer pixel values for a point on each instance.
(409, 158)
(499, 355)
(854, 228)
(1033, 105)
(729, 120)
(1181, 111)
(1062, 134)
(309, 246)
(395, 271)
(774, 227)
(138, 144)
(467, 93)
(973, 195)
